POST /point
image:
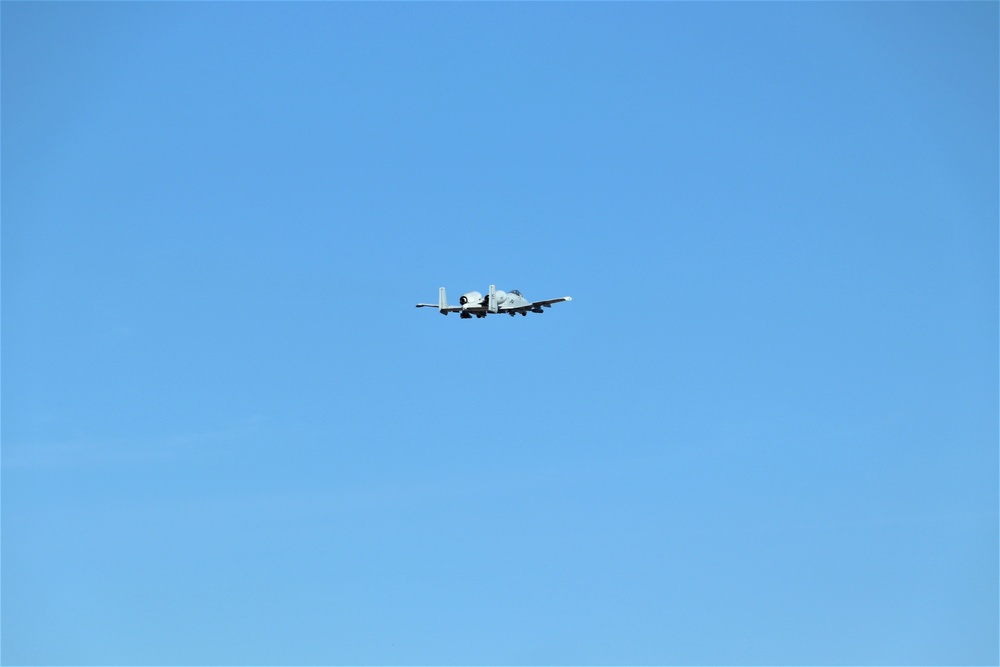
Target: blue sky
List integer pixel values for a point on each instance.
(765, 431)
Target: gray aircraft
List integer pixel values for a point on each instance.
(494, 303)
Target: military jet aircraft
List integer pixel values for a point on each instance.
(495, 302)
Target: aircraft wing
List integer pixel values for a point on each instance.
(447, 309)
(535, 306)
(548, 302)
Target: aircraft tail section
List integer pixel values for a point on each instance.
(492, 304)
(442, 301)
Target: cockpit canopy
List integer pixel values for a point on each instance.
(514, 291)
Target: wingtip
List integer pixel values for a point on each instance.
(569, 298)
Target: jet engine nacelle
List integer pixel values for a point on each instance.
(471, 300)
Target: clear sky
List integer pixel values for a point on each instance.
(765, 430)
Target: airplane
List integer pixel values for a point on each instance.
(495, 302)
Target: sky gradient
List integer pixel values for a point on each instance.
(765, 430)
